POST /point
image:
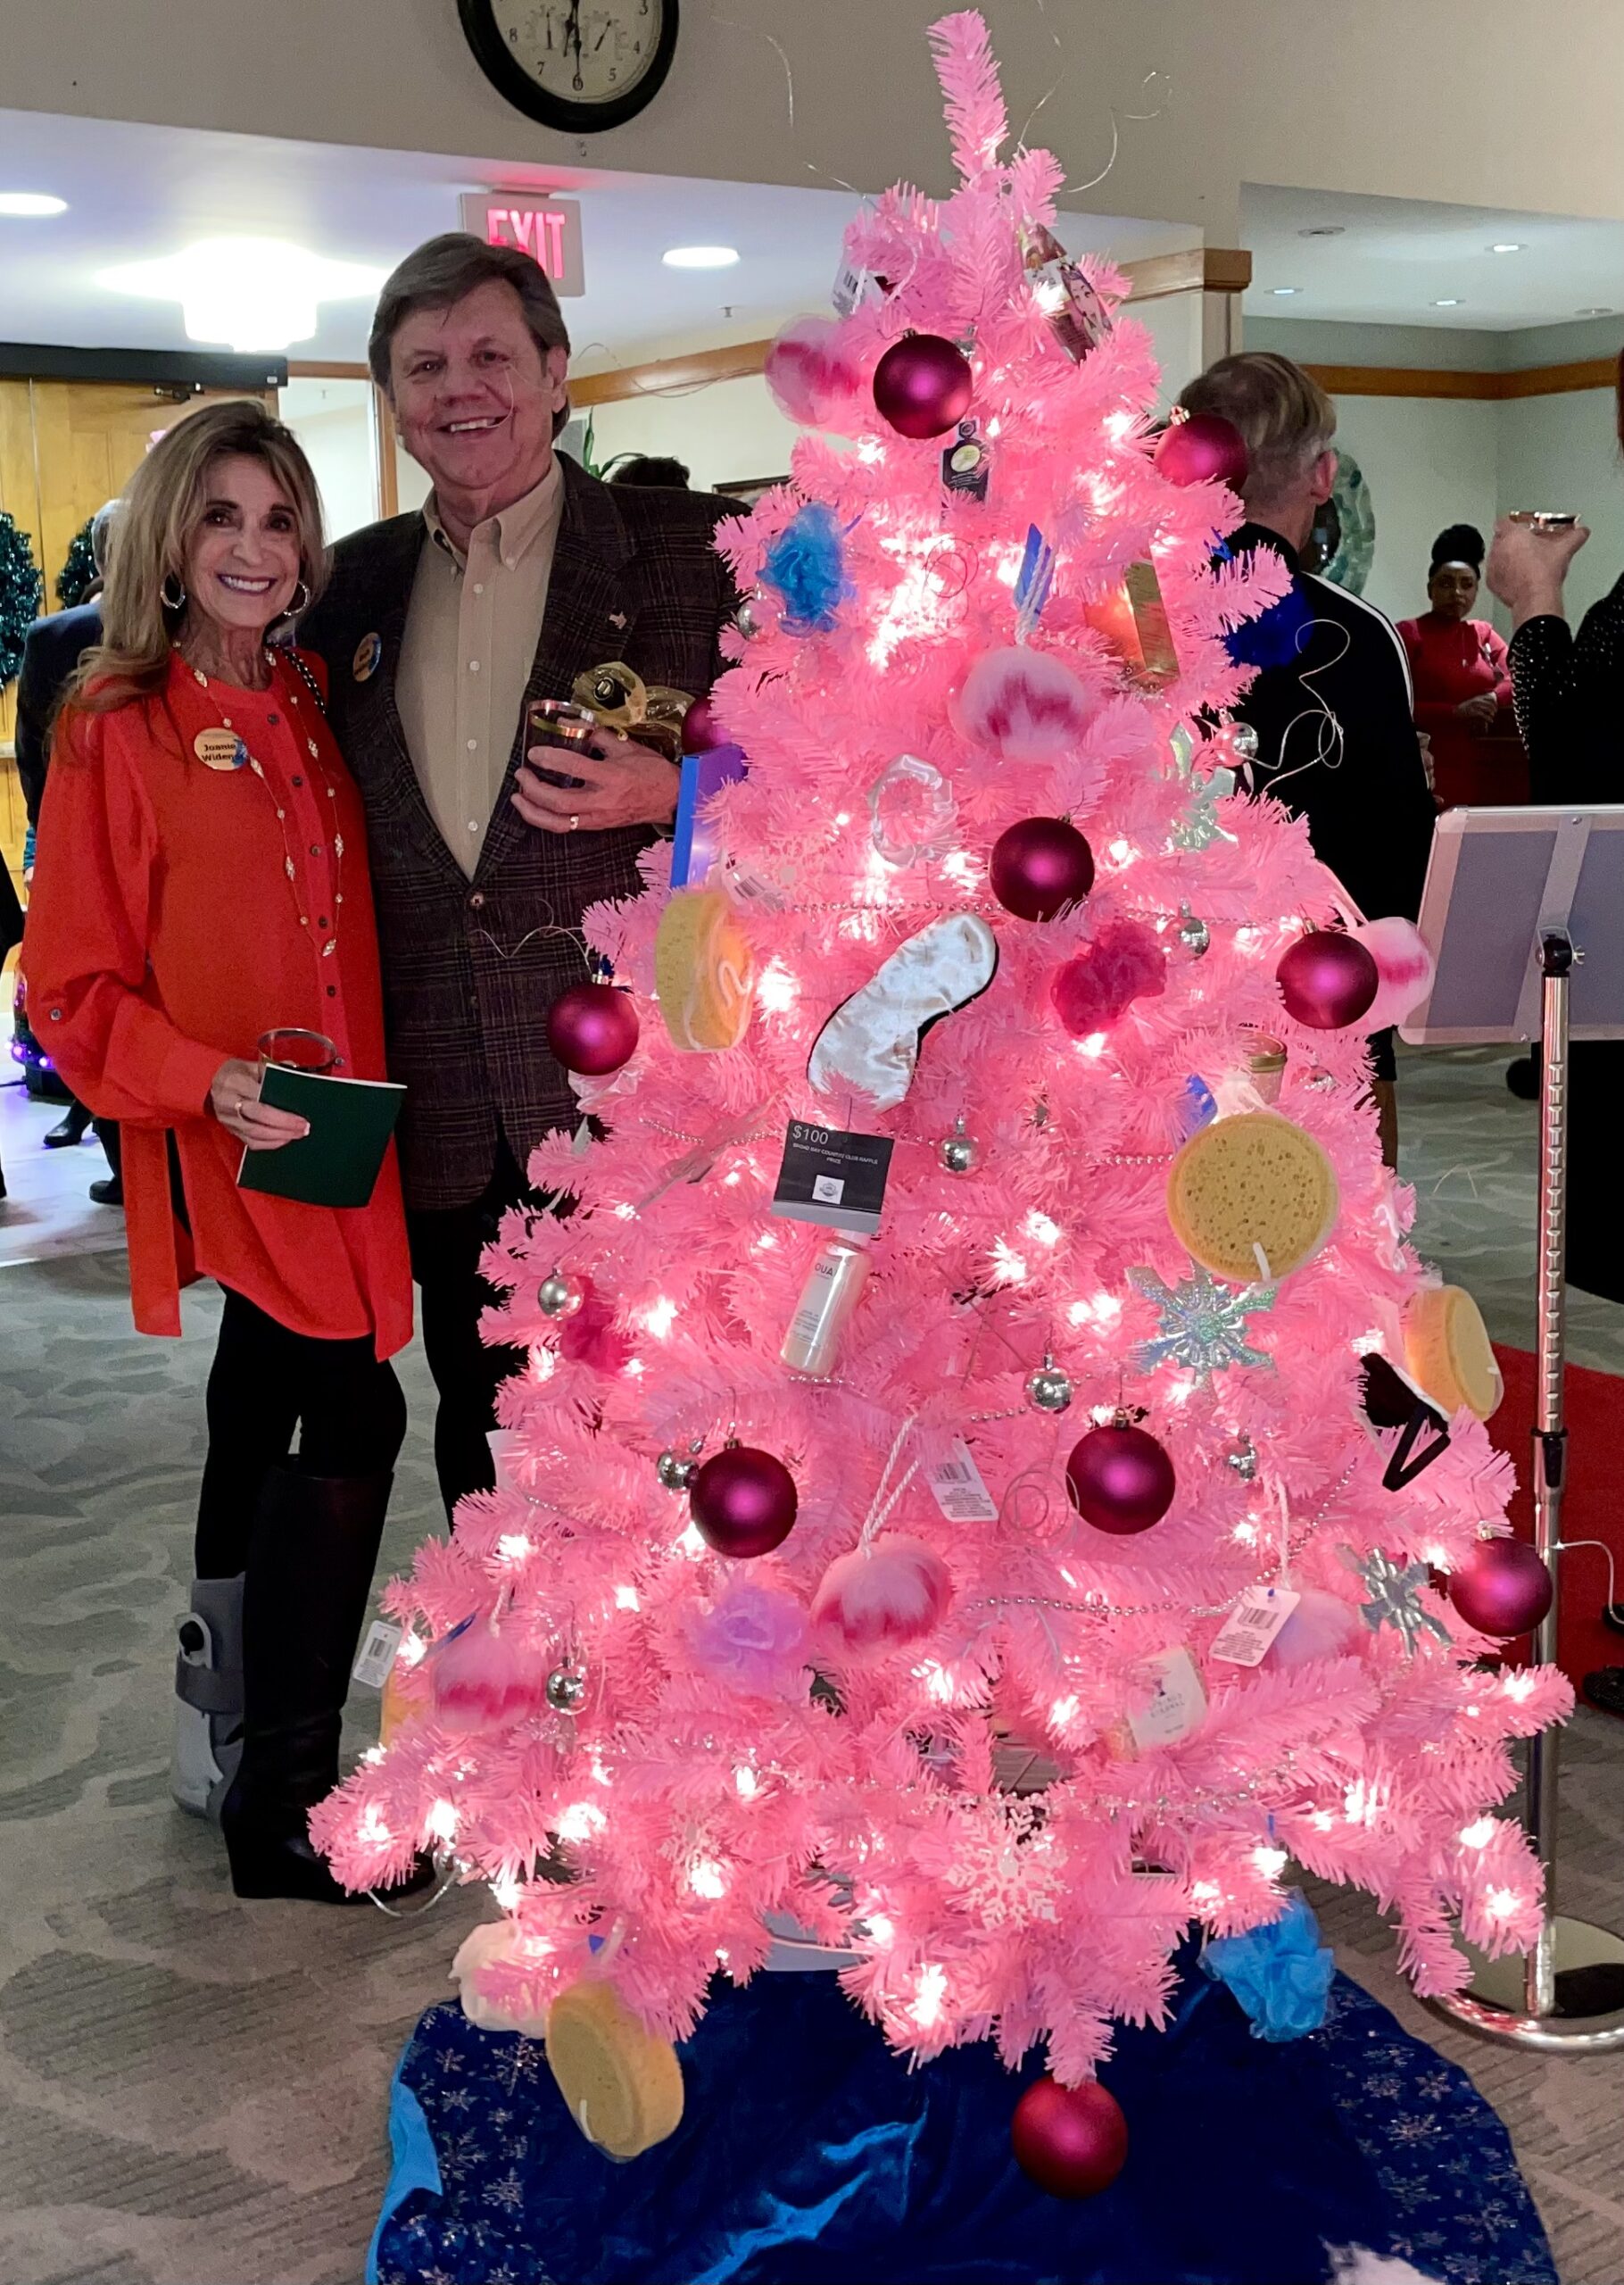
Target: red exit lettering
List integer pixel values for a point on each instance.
(538, 232)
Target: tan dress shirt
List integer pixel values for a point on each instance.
(471, 634)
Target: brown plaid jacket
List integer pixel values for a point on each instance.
(471, 968)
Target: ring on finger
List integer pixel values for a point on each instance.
(574, 823)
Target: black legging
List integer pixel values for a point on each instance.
(265, 1382)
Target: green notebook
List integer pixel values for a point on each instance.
(337, 1162)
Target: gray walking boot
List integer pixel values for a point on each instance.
(208, 1697)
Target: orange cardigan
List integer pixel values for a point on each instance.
(164, 934)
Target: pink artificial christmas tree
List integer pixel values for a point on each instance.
(944, 1640)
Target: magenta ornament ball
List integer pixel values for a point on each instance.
(1039, 867)
(1072, 2141)
(744, 1502)
(1121, 1480)
(1501, 1589)
(1203, 449)
(700, 729)
(1327, 979)
(923, 384)
(592, 1028)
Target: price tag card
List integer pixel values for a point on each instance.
(833, 1178)
(957, 1486)
(371, 1669)
(1252, 1625)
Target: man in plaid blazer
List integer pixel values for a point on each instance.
(438, 629)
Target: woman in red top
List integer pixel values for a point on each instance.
(1462, 682)
(206, 884)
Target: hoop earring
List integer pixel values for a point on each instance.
(296, 607)
(172, 602)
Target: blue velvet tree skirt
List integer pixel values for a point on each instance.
(809, 2155)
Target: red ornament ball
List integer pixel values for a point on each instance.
(744, 1502)
(1202, 448)
(1120, 1479)
(1072, 2141)
(923, 384)
(1327, 979)
(1039, 867)
(592, 1028)
(1501, 1589)
(700, 729)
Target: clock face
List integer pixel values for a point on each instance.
(580, 65)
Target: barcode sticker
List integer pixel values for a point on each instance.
(957, 1489)
(1252, 1625)
(371, 1669)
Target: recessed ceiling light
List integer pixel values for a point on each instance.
(254, 295)
(699, 257)
(1597, 310)
(1507, 246)
(32, 202)
(1283, 290)
(1324, 230)
(1449, 302)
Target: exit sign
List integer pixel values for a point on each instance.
(548, 229)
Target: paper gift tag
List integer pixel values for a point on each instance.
(832, 1178)
(371, 1669)
(1178, 1706)
(957, 1486)
(1252, 1625)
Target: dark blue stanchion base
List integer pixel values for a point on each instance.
(808, 2153)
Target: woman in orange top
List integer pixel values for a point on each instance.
(206, 883)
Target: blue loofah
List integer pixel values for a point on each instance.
(807, 566)
(1280, 1975)
(1279, 637)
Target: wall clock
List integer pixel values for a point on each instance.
(576, 65)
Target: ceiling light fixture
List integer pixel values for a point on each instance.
(1449, 302)
(1283, 290)
(31, 203)
(254, 295)
(1324, 230)
(1507, 246)
(699, 257)
(1596, 310)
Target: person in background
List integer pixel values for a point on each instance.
(650, 468)
(219, 891)
(52, 650)
(1331, 702)
(1462, 684)
(441, 629)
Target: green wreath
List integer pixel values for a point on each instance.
(22, 591)
(78, 570)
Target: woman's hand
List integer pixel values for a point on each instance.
(623, 784)
(234, 1098)
(1526, 568)
(1483, 709)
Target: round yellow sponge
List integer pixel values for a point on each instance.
(704, 970)
(1252, 1198)
(1448, 1352)
(622, 2086)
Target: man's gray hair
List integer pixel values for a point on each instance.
(1285, 418)
(100, 526)
(444, 269)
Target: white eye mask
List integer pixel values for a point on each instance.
(871, 1043)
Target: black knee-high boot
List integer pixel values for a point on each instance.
(307, 1582)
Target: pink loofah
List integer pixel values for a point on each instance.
(1125, 962)
(752, 1638)
(479, 1679)
(1023, 705)
(591, 1337)
(1321, 1626)
(876, 1597)
(1405, 966)
(812, 376)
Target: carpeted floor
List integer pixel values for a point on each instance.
(191, 2091)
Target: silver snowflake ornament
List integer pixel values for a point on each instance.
(1395, 1596)
(1204, 1323)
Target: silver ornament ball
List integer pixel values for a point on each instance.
(1242, 1457)
(1243, 740)
(566, 1690)
(957, 1151)
(1194, 933)
(559, 1295)
(750, 617)
(1048, 1389)
(675, 1471)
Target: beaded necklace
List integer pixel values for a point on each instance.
(314, 751)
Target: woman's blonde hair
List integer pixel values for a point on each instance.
(162, 507)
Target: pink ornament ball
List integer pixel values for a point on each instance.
(923, 384)
(876, 1597)
(1501, 1589)
(593, 1029)
(1023, 705)
(479, 1679)
(1072, 2141)
(1321, 1626)
(744, 1502)
(1327, 979)
(1121, 1480)
(701, 731)
(1039, 867)
(1202, 448)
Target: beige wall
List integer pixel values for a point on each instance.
(1486, 101)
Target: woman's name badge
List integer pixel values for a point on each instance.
(369, 651)
(219, 749)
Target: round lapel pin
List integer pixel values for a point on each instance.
(219, 749)
(369, 651)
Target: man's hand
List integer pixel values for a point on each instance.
(1482, 710)
(1526, 568)
(625, 784)
(234, 1098)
